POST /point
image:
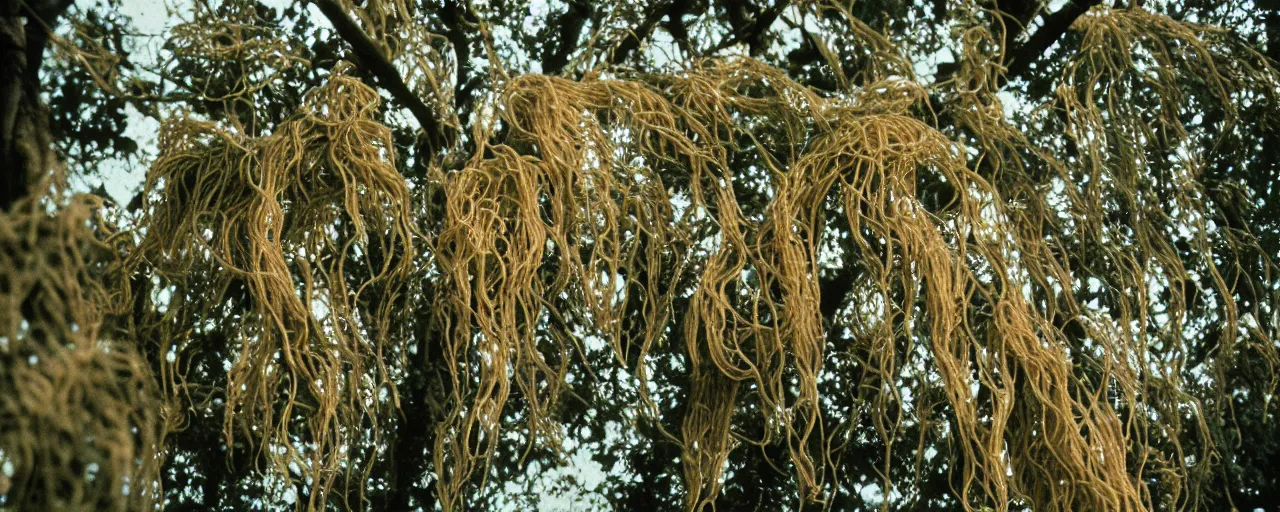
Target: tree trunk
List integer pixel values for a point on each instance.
(24, 138)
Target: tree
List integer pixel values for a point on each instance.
(403, 255)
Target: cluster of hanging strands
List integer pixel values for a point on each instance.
(308, 230)
(1134, 353)
(80, 414)
(572, 218)
(572, 204)
(1124, 124)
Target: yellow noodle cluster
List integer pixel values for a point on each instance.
(282, 222)
(591, 207)
(80, 414)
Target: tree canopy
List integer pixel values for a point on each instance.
(667, 255)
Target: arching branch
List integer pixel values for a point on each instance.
(641, 32)
(1018, 59)
(1055, 25)
(24, 34)
(376, 63)
(556, 56)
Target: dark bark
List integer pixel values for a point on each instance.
(750, 31)
(1055, 25)
(641, 32)
(408, 450)
(1018, 59)
(1014, 16)
(833, 291)
(457, 18)
(375, 62)
(570, 24)
(13, 67)
(24, 139)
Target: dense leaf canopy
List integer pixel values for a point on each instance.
(709, 254)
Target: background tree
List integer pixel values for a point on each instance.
(402, 255)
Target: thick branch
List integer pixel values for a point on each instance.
(675, 26)
(375, 62)
(24, 34)
(555, 57)
(409, 445)
(1014, 17)
(641, 32)
(834, 289)
(13, 68)
(1055, 25)
(456, 17)
(1018, 60)
(751, 32)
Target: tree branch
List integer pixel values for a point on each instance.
(1014, 16)
(555, 57)
(675, 26)
(13, 68)
(373, 61)
(1018, 60)
(456, 17)
(751, 31)
(24, 34)
(641, 32)
(1055, 25)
